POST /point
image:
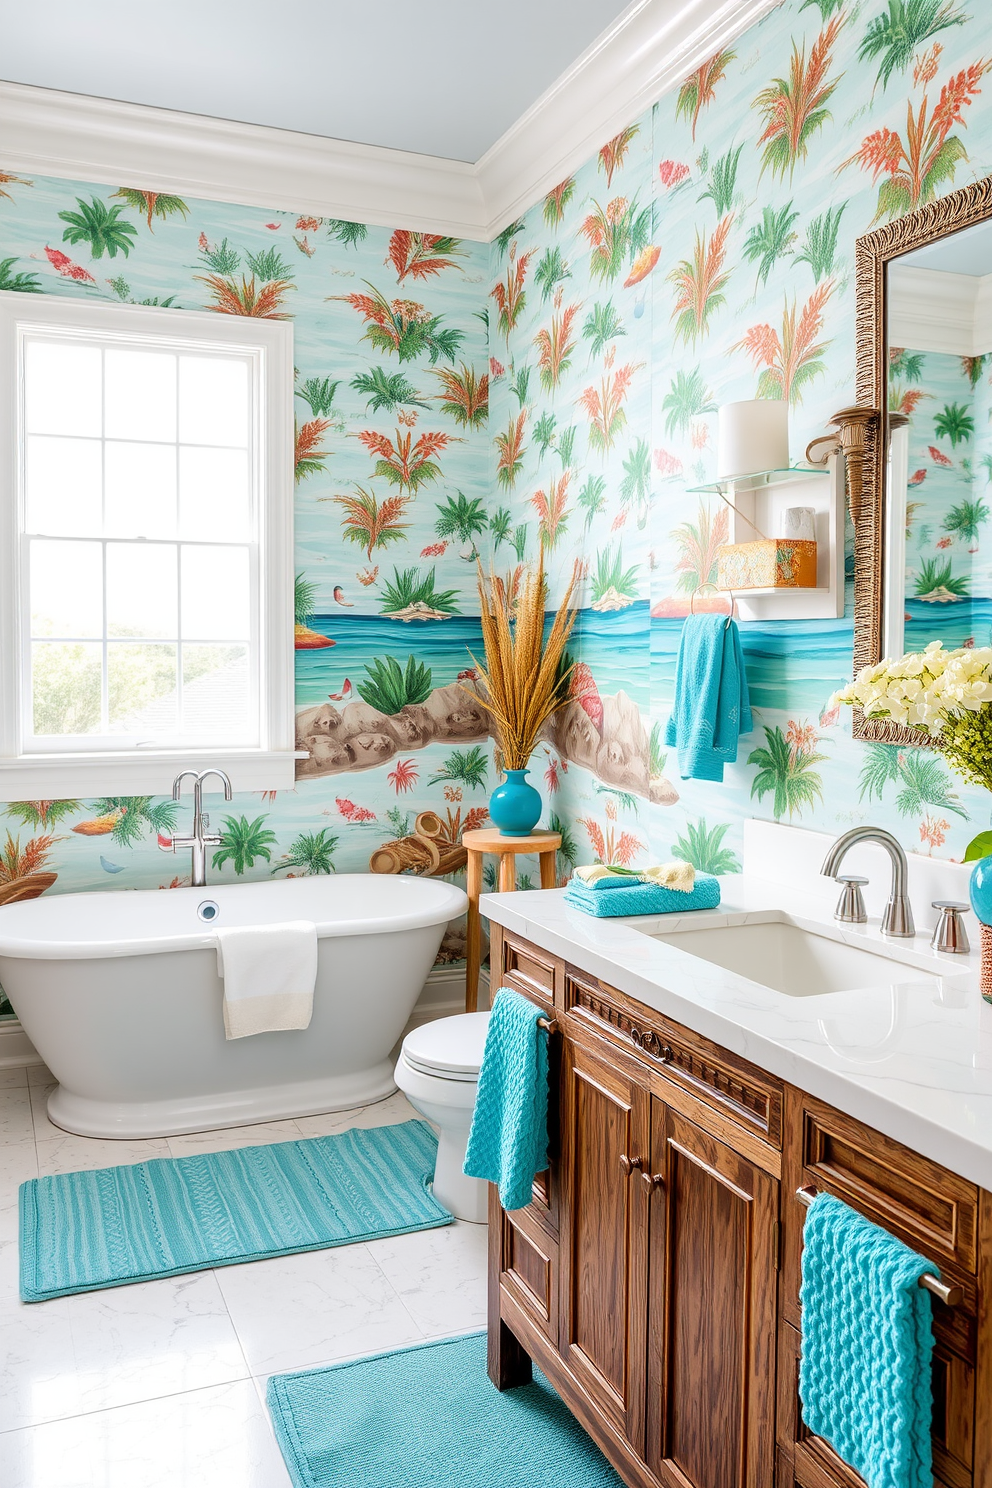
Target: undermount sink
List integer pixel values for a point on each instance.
(793, 960)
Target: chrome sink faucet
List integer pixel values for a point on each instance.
(198, 840)
(898, 917)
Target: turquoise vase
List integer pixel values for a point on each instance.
(980, 890)
(515, 807)
(980, 894)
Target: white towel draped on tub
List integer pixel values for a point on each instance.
(268, 973)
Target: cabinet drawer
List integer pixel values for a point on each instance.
(932, 1210)
(527, 969)
(730, 1086)
(529, 1269)
(816, 1465)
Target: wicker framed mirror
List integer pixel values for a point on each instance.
(916, 279)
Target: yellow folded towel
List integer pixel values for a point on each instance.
(678, 876)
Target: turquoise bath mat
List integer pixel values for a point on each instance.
(429, 1415)
(84, 1231)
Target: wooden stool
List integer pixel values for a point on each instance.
(490, 840)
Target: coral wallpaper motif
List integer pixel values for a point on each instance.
(391, 466)
(705, 254)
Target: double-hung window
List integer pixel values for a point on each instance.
(146, 612)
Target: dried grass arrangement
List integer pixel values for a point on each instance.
(526, 678)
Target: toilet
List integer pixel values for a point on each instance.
(438, 1072)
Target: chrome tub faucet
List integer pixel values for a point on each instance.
(898, 917)
(198, 840)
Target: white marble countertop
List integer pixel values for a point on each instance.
(912, 1058)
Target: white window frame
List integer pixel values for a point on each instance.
(269, 765)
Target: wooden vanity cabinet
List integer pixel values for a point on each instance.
(654, 1277)
(664, 1263)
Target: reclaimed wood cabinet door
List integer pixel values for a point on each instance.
(605, 1136)
(713, 1261)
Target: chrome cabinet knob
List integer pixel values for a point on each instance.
(950, 934)
(851, 905)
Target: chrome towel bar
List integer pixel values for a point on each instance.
(551, 1024)
(951, 1296)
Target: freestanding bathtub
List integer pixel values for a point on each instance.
(120, 995)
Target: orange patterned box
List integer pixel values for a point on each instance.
(773, 563)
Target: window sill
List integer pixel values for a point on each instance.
(56, 777)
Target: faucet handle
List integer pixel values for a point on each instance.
(851, 905)
(950, 934)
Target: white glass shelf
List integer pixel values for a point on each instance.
(760, 480)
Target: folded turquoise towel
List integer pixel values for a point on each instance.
(644, 898)
(508, 1143)
(711, 707)
(864, 1377)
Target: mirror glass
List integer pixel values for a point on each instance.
(938, 534)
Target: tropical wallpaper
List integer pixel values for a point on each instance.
(560, 385)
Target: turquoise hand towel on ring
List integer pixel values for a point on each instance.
(508, 1143)
(711, 707)
(867, 1342)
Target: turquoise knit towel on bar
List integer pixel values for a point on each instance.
(711, 706)
(864, 1376)
(644, 898)
(508, 1143)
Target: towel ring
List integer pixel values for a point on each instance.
(733, 601)
(951, 1296)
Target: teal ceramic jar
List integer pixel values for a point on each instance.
(981, 890)
(515, 806)
(980, 893)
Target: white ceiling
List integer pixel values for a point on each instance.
(966, 252)
(439, 77)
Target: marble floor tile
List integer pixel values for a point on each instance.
(71, 1154)
(40, 1074)
(116, 1347)
(297, 1311)
(219, 1437)
(13, 1076)
(15, 1115)
(439, 1275)
(261, 1135)
(44, 1129)
(18, 1163)
(386, 1112)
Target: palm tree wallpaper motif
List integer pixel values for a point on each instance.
(458, 399)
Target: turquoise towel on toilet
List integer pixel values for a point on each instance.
(711, 707)
(508, 1143)
(643, 898)
(864, 1376)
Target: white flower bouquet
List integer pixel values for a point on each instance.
(947, 695)
(924, 689)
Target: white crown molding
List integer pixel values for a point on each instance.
(46, 132)
(651, 47)
(931, 310)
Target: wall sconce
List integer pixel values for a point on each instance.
(850, 441)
